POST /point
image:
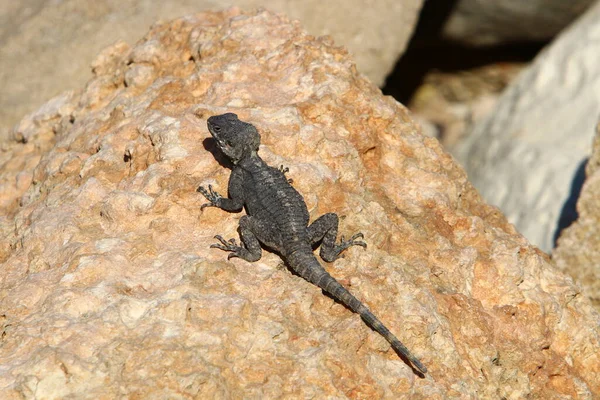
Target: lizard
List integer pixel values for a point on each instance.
(277, 217)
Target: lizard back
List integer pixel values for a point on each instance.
(270, 198)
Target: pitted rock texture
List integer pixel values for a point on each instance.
(109, 289)
(377, 34)
(524, 157)
(578, 250)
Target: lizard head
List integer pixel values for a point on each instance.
(236, 139)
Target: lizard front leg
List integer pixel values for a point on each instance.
(325, 227)
(233, 203)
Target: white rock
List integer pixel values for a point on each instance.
(525, 155)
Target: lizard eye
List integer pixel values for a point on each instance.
(216, 128)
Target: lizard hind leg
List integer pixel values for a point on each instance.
(249, 249)
(325, 228)
(252, 233)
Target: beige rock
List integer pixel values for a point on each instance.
(41, 57)
(109, 288)
(578, 250)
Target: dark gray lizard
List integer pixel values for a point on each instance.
(278, 218)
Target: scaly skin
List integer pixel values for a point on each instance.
(278, 218)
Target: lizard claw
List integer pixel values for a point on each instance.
(220, 239)
(227, 245)
(355, 242)
(285, 170)
(212, 197)
(344, 244)
(332, 253)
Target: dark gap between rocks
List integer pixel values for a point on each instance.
(427, 52)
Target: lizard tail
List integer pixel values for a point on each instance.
(325, 281)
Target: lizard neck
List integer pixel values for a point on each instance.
(251, 160)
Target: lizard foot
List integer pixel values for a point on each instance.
(333, 253)
(228, 245)
(212, 197)
(344, 244)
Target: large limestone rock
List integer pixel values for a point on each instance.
(47, 46)
(578, 250)
(525, 156)
(490, 22)
(108, 287)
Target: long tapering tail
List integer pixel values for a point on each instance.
(309, 268)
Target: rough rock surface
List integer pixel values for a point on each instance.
(525, 156)
(108, 288)
(377, 35)
(578, 249)
(491, 22)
